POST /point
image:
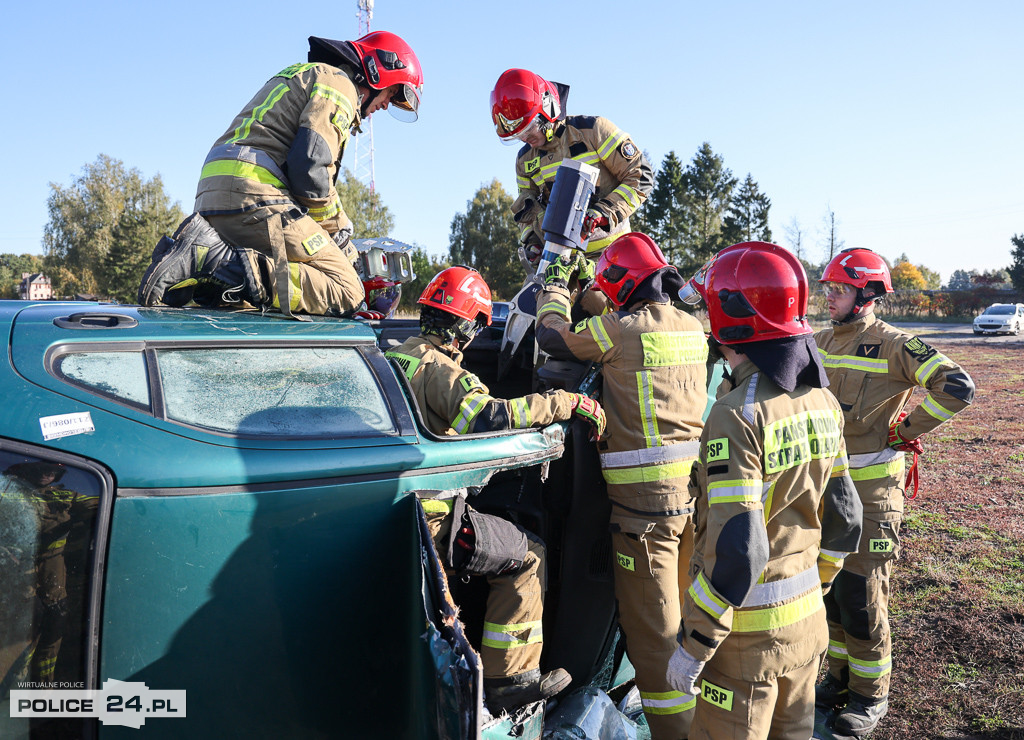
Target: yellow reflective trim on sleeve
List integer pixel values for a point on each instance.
(469, 409)
(628, 194)
(851, 362)
(735, 491)
(335, 96)
(648, 473)
(776, 617)
(521, 417)
(604, 342)
(702, 595)
(325, 212)
(523, 182)
(258, 113)
(554, 306)
(610, 143)
(245, 170)
(936, 409)
(670, 348)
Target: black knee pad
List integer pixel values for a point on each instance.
(482, 544)
(851, 595)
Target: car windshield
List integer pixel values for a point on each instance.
(1000, 311)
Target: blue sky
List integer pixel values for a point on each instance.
(904, 118)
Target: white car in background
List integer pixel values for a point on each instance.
(1000, 317)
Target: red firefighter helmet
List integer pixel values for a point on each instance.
(625, 264)
(460, 291)
(858, 267)
(387, 60)
(519, 99)
(753, 291)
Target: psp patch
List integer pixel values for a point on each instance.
(918, 350)
(721, 698)
(531, 165)
(314, 243)
(470, 383)
(880, 545)
(718, 449)
(628, 149)
(625, 561)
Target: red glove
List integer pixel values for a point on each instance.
(899, 442)
(592, 221)
(370, 315)
(592, 413)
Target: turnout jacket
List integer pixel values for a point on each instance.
(452, 400)
(625, 178)
(654, 395)
(285, 146)
(776, 515)
(873, 369)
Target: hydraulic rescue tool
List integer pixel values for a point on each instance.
(575, 183)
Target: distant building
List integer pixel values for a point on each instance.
(35, 286)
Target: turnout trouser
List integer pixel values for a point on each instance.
(312, 273)
(781, 708)
(651, 572)
(858, 603)
(513, 634)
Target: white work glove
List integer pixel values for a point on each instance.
(683, 671)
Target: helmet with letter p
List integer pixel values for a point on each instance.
(523, 103)
(456, 304)
(753, 291)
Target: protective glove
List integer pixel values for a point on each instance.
(561, 271)
(585, 276)
(532, 251)
(370, 315)
(899, 442)
(683, 671)
(591, 412)
(342, 236)
(593, 220)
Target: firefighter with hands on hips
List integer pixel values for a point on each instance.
(655, 392)
(528, 109)
(269, 228)
(455, 306)
(776, 509)
(873, 369)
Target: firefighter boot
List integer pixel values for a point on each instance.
(198, 256)
(510, 693)
(832, 693)
(861, 715)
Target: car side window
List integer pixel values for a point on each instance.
(48, 517)
(120, 375)
(320, 392)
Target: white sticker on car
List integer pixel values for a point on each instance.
(64, 425)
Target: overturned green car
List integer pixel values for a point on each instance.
(220, 509)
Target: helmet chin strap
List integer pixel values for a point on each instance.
(854, 312)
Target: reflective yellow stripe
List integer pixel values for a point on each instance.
(869, 668)
(57, 544)
(521, 417)
(470, 407)
(328, 211)
(628, 194)
(258, 113)
(523, 182)
(668, 348)
(667, 702)
(610, 143)
(800, 438)
(702, 595)
(928, 369)
(840, 466)
(648, 473)
(893, 468)
(294, 287)
(934, 408)
(776, 617)
(648, 410)
(851, 362)
(604, 342)
(500, 635)
(735, 491)
(335, 96)
(235, 168)
(554, 306)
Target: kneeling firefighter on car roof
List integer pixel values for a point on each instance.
(776, 509)
(655, 391)
(268, 227)
(455, 306)
(873, 369)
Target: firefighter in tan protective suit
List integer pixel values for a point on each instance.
(456, 304)
(776, 509)
(873, 369)
(655, 392)
(267, 187)
(527, 108)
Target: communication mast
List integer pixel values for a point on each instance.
(363, 159)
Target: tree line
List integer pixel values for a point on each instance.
(103, 226)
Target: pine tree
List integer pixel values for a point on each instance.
(747, 219)
(709, 186)
(1016, 268)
